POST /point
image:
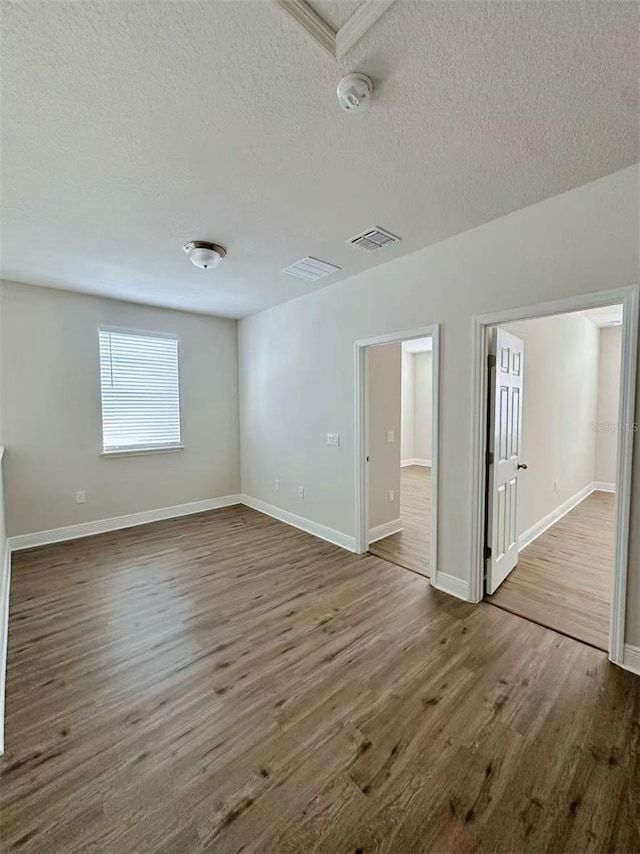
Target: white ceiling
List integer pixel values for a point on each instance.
(609, 315)
(418, 345)
(130, 128)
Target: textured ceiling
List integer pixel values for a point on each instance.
(130, 128)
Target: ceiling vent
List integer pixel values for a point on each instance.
(310, 269)
(373, 239)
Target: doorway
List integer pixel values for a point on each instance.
(551, 543)
(396, 490)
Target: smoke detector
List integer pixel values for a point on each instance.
(353, 91)
(204, 255)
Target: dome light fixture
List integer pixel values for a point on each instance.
(203, 254)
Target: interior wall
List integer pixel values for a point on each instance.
(52, 411)
(560, 381)
(417, 407)
(293, 385)
(423, 406)
(407, 407)
(384, 373)
(608, 403)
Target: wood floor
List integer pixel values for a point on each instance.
(226, 683)
(563, 579)
(411, 547)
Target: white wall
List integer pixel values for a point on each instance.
(423, 406)
(417, 406)
(560, 381)
(407, 405)
(608, 401)
(295, 387)
(52, 414)
(384, 369)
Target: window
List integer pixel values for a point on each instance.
(140, 391)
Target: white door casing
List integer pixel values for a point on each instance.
(504, 440)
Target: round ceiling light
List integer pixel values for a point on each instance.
(204, 255)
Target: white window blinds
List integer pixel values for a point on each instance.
(140, 391)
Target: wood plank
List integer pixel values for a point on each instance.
(411, 547)
(223, 682)
(563, 578)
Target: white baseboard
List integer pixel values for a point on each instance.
(415, 461)
(631, 658)
(321, 531)
(101, 526)
(544, 524)
(458, 587)
(5, 578)
(386, 530)
(603, 486)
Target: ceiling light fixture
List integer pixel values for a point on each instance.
(204, 255)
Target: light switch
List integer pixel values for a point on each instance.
(392, 496)
(333, 439)
(390, 437)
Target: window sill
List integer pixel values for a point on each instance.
(137, 452)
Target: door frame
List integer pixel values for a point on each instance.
(362, 430)
(629, 297)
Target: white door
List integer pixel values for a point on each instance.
(505, 435)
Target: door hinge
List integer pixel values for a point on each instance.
(491, 360)
(489, 458)
(487, 552)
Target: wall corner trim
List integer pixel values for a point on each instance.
(458, 587)
(603, 486)
(337, 538)
(631, 658)
(5, 577)
(101, 526)
(386, 530)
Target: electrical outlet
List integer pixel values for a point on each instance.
(555, 485)
(80, 496)
(276, 483)
(301, 492)
(391, 437)
(333, 439)
(392, 496)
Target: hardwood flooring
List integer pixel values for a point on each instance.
(563, 579)
(226, 683)
(411, 547)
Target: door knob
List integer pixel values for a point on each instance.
(523, 466)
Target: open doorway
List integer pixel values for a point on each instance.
(556, 447)
(397, 436)
(400, 471)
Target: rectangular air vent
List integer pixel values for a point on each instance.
(310, 269)
(373, 239)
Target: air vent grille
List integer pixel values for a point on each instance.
(373, 239)
(310, 269)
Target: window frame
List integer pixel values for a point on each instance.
(140, 450)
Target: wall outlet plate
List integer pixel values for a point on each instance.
(392, 496)
(276, 483)
(81, 496)
(390, 437)
(333, 439)
(301, 492)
